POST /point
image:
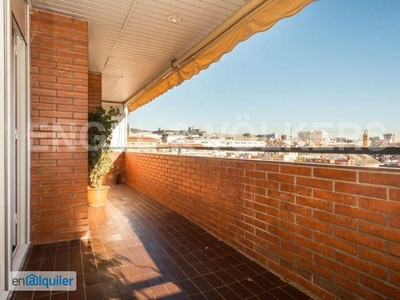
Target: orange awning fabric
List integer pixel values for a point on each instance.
(261, 19)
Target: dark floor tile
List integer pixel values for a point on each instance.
(178, 274)
(213, 295)
(91, 279)
(213, 280)
(227, 293)
(74, 243)
(236, 273)
(201, 256)
(202, 284)
(113, 297)
(274, 279)
(198, 297)
(190, 271)
(89, 266)
(62, 253)
(106, 275)
(166, 277)
(33, 265)
(62, 245)
(240, 290)
(78, 294)
(262, 281)
(125, 287)
(37, 255)
(38, 248)
(44, 297)
(225, 277)
(139, 283)
(94, 292)
(189, 287)
(50, 253)
(110, 288)
(48, 265)
(59, 296)
(154, 281)
(252, 286)
(22, 295)
(129, 296)
(168, 263)
(280, 294)
(201, 268)
(232, 260)
(41, 293)
(253, 265)
(190, 258)
(295, 293)
(180, 261)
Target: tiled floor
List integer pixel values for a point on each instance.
(139, 249)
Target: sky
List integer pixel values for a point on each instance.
(335, 66)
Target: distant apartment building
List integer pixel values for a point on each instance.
(141, 142)
(233, 143)
(314, 137)
(390, 137)
(280, 156)
(191, 131)
(196, 131)
(230, 143)
(268, 136)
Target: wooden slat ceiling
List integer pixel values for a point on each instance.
(132, 41)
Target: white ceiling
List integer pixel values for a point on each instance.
(132, 41)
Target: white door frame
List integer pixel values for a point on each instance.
(10, 260)
(22, 154)
(4, 7)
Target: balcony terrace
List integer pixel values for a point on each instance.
(140, 249)
(182, 227)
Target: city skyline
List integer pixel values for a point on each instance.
(311, 71)
(290, 133)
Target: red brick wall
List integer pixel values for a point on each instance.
(332, 231)
(95, 90)
(59, 101)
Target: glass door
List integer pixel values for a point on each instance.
(18, 152)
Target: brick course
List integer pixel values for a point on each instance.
(332, 231)
(59, 106)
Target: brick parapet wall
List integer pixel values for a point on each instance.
(332, 231)
(95, 90)
(59, 106)
(118, 158)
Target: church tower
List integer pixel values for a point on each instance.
(365, 138)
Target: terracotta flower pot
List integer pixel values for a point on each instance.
(97, 196)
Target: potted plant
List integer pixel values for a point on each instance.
(101, 125)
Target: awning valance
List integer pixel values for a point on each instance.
(260, 19)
